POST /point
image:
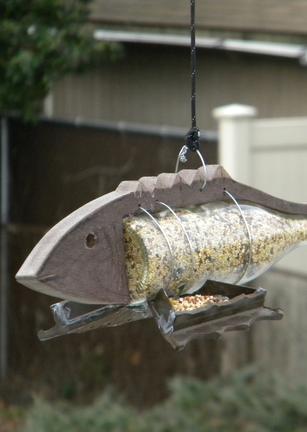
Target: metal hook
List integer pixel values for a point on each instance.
(182, 157)
(248, 234)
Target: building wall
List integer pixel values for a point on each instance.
(151, 85)
(283, 16)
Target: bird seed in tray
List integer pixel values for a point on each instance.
(226, 307)
(192, 302)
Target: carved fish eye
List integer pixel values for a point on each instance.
(91, 240)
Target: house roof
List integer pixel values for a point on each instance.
(292, 51)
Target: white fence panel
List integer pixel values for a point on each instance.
(270, 154)
(275, 159)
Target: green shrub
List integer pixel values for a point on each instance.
(243, 402)
(40, 42)
(108, 413)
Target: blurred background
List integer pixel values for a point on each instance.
(96, 92)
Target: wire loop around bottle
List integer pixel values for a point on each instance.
(154, 220)
(249, 235)
(184, 231)
(158, 225)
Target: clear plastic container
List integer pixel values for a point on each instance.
(207, 242)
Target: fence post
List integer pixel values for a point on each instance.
(4, 217)
(235, 124)
(235, 132)
(4, 144)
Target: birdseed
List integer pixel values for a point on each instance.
(221, 249)
(189, 303)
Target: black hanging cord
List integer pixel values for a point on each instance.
(192, 137)
(193, 65)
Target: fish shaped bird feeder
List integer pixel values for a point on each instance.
(168, 249)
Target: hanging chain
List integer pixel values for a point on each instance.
(192, 137)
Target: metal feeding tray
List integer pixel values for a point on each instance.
(245, 306)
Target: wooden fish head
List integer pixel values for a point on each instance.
(82, 257)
